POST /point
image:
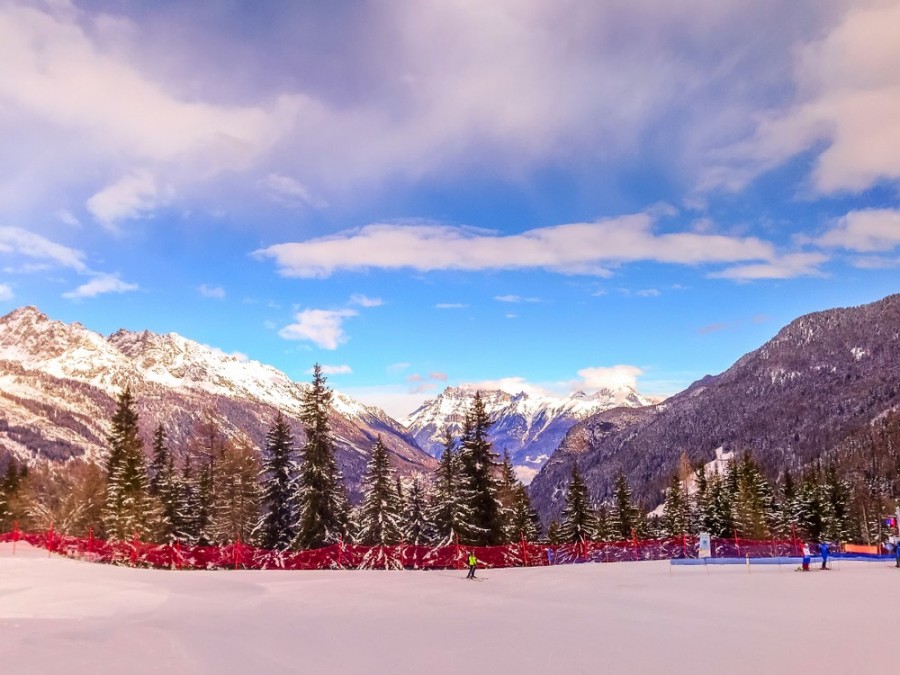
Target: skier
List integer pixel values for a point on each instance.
(472, 562)
(823, 551)
(897, 550)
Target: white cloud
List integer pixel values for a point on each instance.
(575, 248)
(648, 293)
(290, 192)
(6, 293)
(514, 299)
(396, 368)
(847, 99)
(100, 284)
(365, 301)
(868, 231)
(333, 370)
(608, 377)
(322, 327)
(783, 267)
(131, 197)
(67, 217)
(450, 305)
(396, 400)
(21, 242)
(207, 291)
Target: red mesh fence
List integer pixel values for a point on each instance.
(353, 556)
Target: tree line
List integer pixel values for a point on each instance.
(222, 490)
(831, 503)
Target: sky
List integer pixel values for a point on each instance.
(546, 196)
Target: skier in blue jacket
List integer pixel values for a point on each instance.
(823, 551)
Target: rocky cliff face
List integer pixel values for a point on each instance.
(58, 384)
(529, 427)
(789, 402)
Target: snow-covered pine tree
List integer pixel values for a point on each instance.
(477, 461)
(237, 494)
(128, 509)
(554, 538)
(450, 509)
(275, 529)
(578, 521)
(624, 514)
(165, 487)
(676, 520)
(604, 525)
(418, 530)
(380, 521)
(322, 501)
(836, 500)
(507, 493)
(786, 519)
(190, 521)
(752, 500)
(524, 521)
(810, 507)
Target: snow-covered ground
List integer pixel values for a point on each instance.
(64, 616)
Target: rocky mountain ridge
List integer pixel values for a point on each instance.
(58, 384)
(528, 426)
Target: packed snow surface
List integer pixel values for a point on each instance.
(59, 615)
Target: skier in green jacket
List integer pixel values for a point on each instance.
(472, 561)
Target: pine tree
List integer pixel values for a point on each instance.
(380, 513)
(477, 463)
(189, 532)
(787, 506)
(624, 515)
(752, 501)
(524, 521)
(604, 524)
(128, 509)
(450, 509)
(810, 508)
(676, 512)
(554, 536)
(418, 530)
(237, 493)
(836, 503)
(322, 501)
(275, 530)
(579, 523)
(165, 488)
(507, 493)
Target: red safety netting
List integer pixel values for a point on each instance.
(402, 556)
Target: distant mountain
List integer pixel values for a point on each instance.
(58, 384)
(529, 427)
(791, 401)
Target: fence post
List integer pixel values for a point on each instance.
(134, 545)
(15, 535)
(458, 561)
(236, 547)
(340, 560)
(177, 554)
(796, 548)
(737, 545)
(524, 552)
(50, 539)
(91, 542)
(635, 541)
(683, 546)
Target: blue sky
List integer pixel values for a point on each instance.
(546, 196)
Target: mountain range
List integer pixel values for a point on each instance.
(59, 382)
(791, 402)
(527, 426)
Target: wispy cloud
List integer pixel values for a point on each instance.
(609, 377)
(784, 267)
(19, 242)
(575, 248)
(207, 291)
(515, 299)
(713, 328)
(6, 293)
(132, 196)
(99, 285)
(365, 301)
(323, 327)
(290, 192)
(450, 305)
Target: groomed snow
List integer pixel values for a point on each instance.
(64, 616)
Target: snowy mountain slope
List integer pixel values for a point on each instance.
(529, 427)
(58, 383)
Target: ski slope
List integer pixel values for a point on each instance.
(65, 616)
